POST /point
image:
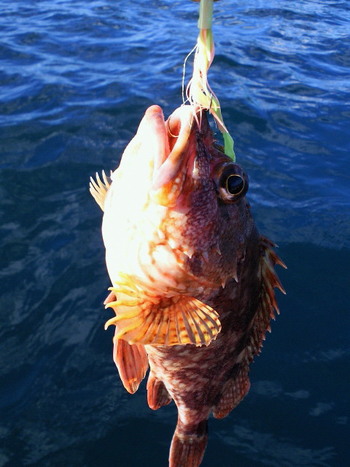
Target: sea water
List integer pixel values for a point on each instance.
(76, 78)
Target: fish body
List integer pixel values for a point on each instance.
(192, 279)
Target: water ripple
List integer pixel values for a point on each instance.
(75, 79)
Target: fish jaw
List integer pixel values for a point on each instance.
(177, 168)
(160, 157)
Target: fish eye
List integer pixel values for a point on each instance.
(232, 182)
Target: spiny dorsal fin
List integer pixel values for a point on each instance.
(268, 305)
(99, 188)
(154, 320)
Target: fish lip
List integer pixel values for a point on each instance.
(179, 126)
(172, 167)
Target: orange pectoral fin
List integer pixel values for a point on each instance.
(167, 321)
(132, 363)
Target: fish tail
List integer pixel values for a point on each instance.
(188, 444)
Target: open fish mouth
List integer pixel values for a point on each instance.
(172, 144)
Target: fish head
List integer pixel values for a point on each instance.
(178, 198)
(175, 221)
(178, 157)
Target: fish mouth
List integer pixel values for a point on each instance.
(173, 145)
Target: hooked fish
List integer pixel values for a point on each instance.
(192, 279)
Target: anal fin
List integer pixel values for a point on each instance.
(233, 392)
(157, 395)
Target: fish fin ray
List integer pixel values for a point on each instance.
(188, 445)
(132, 363)
(268, 304)
(99, 188)
(157, 394)
(233, 392)
(166, 321)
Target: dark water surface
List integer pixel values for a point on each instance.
(76, 77)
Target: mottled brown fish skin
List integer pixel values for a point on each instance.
(199, 378)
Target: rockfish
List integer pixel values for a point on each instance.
(192, 279)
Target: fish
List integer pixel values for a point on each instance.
(193, 281)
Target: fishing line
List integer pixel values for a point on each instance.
(198, 91)
(184, 76)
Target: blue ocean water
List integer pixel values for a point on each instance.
(76, 77)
